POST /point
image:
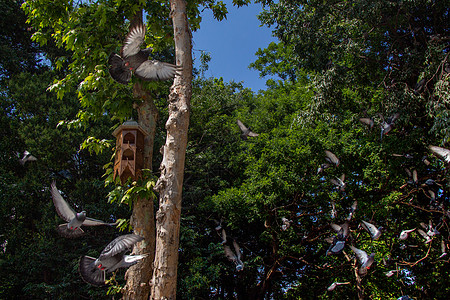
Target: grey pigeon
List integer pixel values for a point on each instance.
(365, 260)
(232, 256)
(443, 250)
(27, 156)
(93, 270)
(338, 241)
(390, 273)
(339, 182)
(427, 238)
(387, 125)
(405, 233)
(431, 231)
(442, 153)
(374, 232)
(135, 60)
(335, 284)
(246, 132)
(367, 121)
(333, 210)
(322, 167)
(331, 158)
(75, 220)
(286, 223)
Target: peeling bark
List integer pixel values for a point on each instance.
(170, 182)
(138, 276)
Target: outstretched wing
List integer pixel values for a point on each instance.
(151, 70)
(332, 157)
(241, 125)
(119, 245)
(62, 207)
(118, 70)
(229, 253)
(95, 222)
(133, 41)
(89, 272)
(361, 255)
(442, 153)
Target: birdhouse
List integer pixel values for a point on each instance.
(129, 157)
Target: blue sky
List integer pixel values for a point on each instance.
(232, 44)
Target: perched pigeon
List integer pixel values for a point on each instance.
(365, 260)
(367, 121)
(246, 132)
(135, 60)
(331, 158)
(75, 220)
(27, 156)
(442, 153)
(286, 223)
(339, 182)
(374, 232)
(113, 257)
(335, 284)
(338, 241)
(404, 234)
(387, 125)
(427, 238)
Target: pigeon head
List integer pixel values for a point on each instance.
(81, 216)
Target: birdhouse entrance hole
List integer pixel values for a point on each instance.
(128, 155)
(129, 138)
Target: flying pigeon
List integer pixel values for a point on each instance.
(333, 210)
(431, 231)
(374, 232)
(390, 273)
(113, 257)
(246, 132)
(339, 182)
(335, 284)
(365, 260)
(75, 220)
(338, 241)
(407, 155)
(442, 153)
(286, 223)
(404, 234)
(352, 210)
(386, 126)
(367, 121)
(427, 238)
(133, 59)
(443, 249)
(27, 156)
(234, 256)
(331, 158)
(322, 167)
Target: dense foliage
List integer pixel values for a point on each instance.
(337, 61)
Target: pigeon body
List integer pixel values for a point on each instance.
(246, 132)
(27, 156)
(339, 182)
(374, 232)
(232, 256)
(387, 125)
(135, 60)
(93, 270)
(286, 223)
(338, 241)
(427, 238)
(405, 233)
(365, 260)
(332, 158)
(74, 220)
(368, 121)
(442, 153)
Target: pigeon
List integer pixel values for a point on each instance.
(386, 126)
(234, 256)
(352, 210)
(338, 241)
(133, 59)
(93, 270)
(443, 250)
(427, 238)
(286, 223)
(405, 233)
(374, 232)
(333, 210)
(367, 121)
(75, 220)
(390, 273)
(406, 155)
(331, 158)
(335, 284)
(27, 156)
(442, 153)
(339, 182)
(246, 132)
(365, 260)
(431, 231)
(322, 167)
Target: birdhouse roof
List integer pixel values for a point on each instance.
(129, 125)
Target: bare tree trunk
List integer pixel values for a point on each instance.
(170, 182)
(138, 276)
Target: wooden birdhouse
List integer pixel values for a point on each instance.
(129, 157)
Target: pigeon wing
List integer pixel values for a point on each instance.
(361, 255)
(94, 222)
(441, 153)
(62, 207)
(241, 125)
(332, 157)
(67, 233)
(133, 41)
(229, 254)
(252, 134)
(117, 69)
(151, 70)
(90, 273)
(237, 249)
(119, 245)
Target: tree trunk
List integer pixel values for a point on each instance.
(138, 276)
(170, 182)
